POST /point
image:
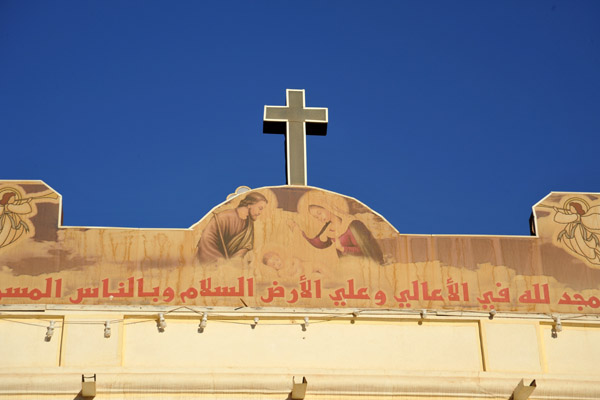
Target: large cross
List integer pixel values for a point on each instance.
(295, 121)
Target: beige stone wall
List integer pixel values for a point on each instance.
(374, 354)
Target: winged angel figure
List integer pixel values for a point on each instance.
(582, 230)
(12, 210)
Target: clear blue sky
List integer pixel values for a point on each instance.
(445, 116)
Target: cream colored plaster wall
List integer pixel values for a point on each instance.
(85, 344)
(326, 345)
(575, 350)
(23, 342)
(381, 346)
(512, 346)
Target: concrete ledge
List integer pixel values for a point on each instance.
(269, 384)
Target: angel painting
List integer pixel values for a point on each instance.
(582, 228)
(13, 209)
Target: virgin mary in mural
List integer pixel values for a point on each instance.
(349, 235)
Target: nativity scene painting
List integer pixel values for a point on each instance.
(315, 223)
(284, 234)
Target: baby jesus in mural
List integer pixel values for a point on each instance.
(287, 269)
(349, 236)
(281, 268)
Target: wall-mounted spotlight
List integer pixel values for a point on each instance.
(49, 331)
(298, 388)
(305, 324)
(523, 392)
(88, 386)
(203, 322)
(107, 330)
(423, 314)
(162, 324)
(557, 323)
(492, 313)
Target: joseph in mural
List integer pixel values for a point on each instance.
(230, 233)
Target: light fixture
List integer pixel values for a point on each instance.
(49, 331)
(298, 389)
(162, 324)
(423, 314)
(88, 387)
(107, 330)
(557, 323)
(492, 313)
(305, 322)
(523, 392)
(203, 322)
(256, 321)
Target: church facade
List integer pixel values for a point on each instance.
(292, 292)
(281, 285)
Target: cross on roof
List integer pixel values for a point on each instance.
(295, 121)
